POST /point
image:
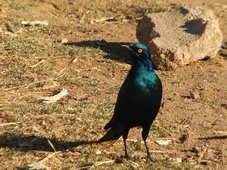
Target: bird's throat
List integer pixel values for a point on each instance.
(143, 64)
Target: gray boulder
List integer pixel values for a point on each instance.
(179, 37)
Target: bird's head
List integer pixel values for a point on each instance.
(140, 54)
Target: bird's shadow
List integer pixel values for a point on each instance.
(31, 142)
(113, 50)
(196, 27)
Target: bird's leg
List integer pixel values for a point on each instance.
(144, 136)
(125, 136)
(148, 153)
(126, 151)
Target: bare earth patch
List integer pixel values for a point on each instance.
(80, 51)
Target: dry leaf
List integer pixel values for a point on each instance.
(163, 142)
(34, 23)
(53, 99)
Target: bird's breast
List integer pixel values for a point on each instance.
(146, 81)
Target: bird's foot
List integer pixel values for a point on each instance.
(149, 159)
(127, 157)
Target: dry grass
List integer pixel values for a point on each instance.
(34, 63)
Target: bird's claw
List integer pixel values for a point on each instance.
(149, 159)
(127, 157)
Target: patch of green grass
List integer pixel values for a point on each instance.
(68, 79)
(72, 80)
(75, 51)
(1, 40)
(16, 4)
(40, 30)
(78, 81)
(19, 72)
(160, 132)
(84, 30)
(93, 82)
(18, 46)
(50, 109)
(33, 107)
(14, 22)
(21, 54)
(104, 110)
(7, 152)
(21, 109)
(43, 70)
(105, 107)
(185, 165)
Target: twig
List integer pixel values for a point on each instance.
(12, 88)
(52, 146)
(41, 81)
(101, 163)
(95, 165)
(159, 151)
(49, 156)
(132, 140)
(83, 167)
(61, 71)
(33, 66)
(213, 137)
(8, 124)
(136, 165)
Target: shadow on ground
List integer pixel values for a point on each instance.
(32, 142)
(114, 50)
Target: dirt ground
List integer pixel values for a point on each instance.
(80, 51)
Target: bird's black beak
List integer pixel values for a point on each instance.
(128, 47)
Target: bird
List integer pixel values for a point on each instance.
(138, 100)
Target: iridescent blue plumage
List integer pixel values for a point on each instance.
(138, 100)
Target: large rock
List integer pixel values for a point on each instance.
(179, 37)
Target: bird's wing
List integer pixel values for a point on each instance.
(120, 104)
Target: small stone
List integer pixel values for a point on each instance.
(176, 160)
(98, 152)
(118, 160)
(179, 37)
(195, 149)
(64, 40)
(198, 151)
(183, 138)
(194, 94)
(75, 60)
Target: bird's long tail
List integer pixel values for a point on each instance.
(113, 134)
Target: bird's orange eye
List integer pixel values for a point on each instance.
(140, 50)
